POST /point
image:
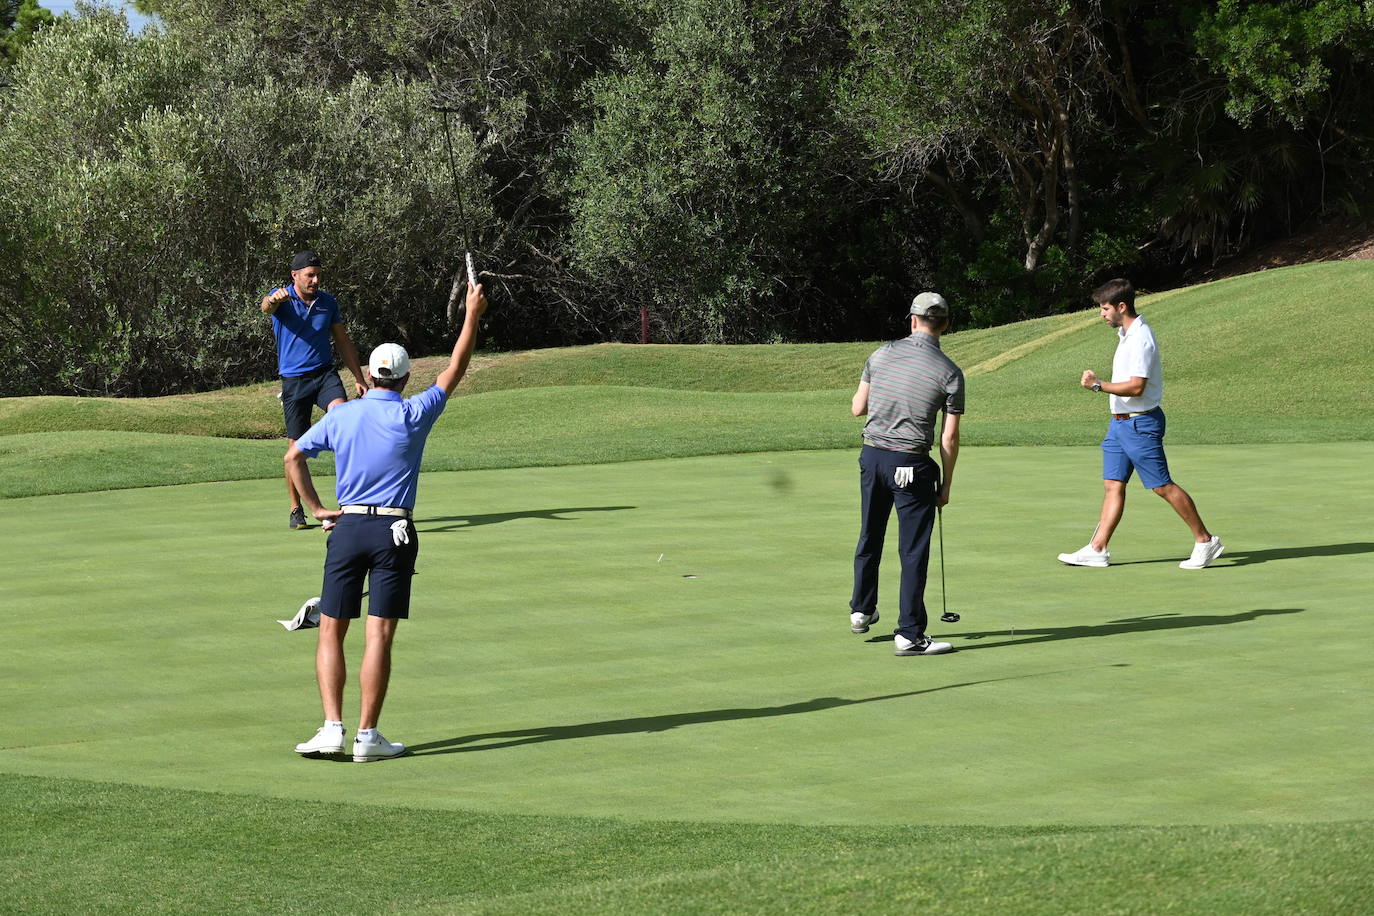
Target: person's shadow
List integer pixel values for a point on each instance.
(1024, 636)
(458, 522)
(488, 741)
(1242, 557)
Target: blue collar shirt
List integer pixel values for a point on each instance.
(377, 441)
(304, 331)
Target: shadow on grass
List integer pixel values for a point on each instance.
(496, 518)
(1027, 636)
(1247, 557)
(489, 741)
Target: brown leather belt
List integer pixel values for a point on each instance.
(1127, 416)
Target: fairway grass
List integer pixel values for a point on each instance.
(594, 732)
(560, 660)
(127, 849)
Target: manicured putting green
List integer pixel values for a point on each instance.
(668, 640)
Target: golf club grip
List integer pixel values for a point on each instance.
(472, 268)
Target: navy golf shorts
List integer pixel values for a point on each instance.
(362, 547)
(301, 394)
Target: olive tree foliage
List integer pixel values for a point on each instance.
(711, 166)
(508, 72)
(155, 188)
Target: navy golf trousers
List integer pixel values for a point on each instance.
(915, 504)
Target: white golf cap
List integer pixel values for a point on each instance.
(930, 305)
(389, 361)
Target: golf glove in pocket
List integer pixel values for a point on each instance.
(904, 477)
(400, 532)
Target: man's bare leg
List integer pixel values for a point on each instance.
(1113, 505)
(1178, 497)
(376, 669)
(291, 493)
(330, 669)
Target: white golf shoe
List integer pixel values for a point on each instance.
(859, 623)
(326, 741)
(1203, 554)
(1087, 556)
(377, 749)
(926, 646)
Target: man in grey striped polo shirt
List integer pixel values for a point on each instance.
(905, 384)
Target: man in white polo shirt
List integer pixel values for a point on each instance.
(1135, 436)
(377, 441)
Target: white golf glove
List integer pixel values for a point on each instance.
(904, 477)
(400, 532)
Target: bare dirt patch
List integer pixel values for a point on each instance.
(1332, 242)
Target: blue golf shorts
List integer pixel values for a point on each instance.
(362, 547)
(302, 393)
(1136, 444)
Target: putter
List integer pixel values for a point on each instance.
(948, 616)
(454, 300)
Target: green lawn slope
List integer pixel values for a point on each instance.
(1268, 357)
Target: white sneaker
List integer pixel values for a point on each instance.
(326, 741)
(1086, 556)
(1203, 554)
(925, 647)
(859, 623)
(379, 749)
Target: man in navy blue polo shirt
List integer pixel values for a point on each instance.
(307, 325)
(377, 442)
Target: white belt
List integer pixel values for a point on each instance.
(375, 510)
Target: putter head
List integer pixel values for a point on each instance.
(949, 617)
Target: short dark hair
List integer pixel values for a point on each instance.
(933, 322)
(1114, 291)
(390, 384)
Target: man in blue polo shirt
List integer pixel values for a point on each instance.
(377, 442)
(307, 325)
(1135, 435)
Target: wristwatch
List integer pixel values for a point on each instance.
(1097, 386)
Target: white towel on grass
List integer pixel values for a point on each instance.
(308, 616)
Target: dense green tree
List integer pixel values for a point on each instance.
(152, 192)
(20, 20)
(744, 169)
(1083, 136)
(713, 163)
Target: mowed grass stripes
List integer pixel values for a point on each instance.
(669, 639)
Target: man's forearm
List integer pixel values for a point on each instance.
(458, 361)
(949, 450)
(949, 454)
(1130, 389)
(348, 353)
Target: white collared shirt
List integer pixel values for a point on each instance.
(1137, 354)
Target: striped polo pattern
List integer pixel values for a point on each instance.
(910, 381)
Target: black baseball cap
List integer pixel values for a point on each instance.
(304, 259)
